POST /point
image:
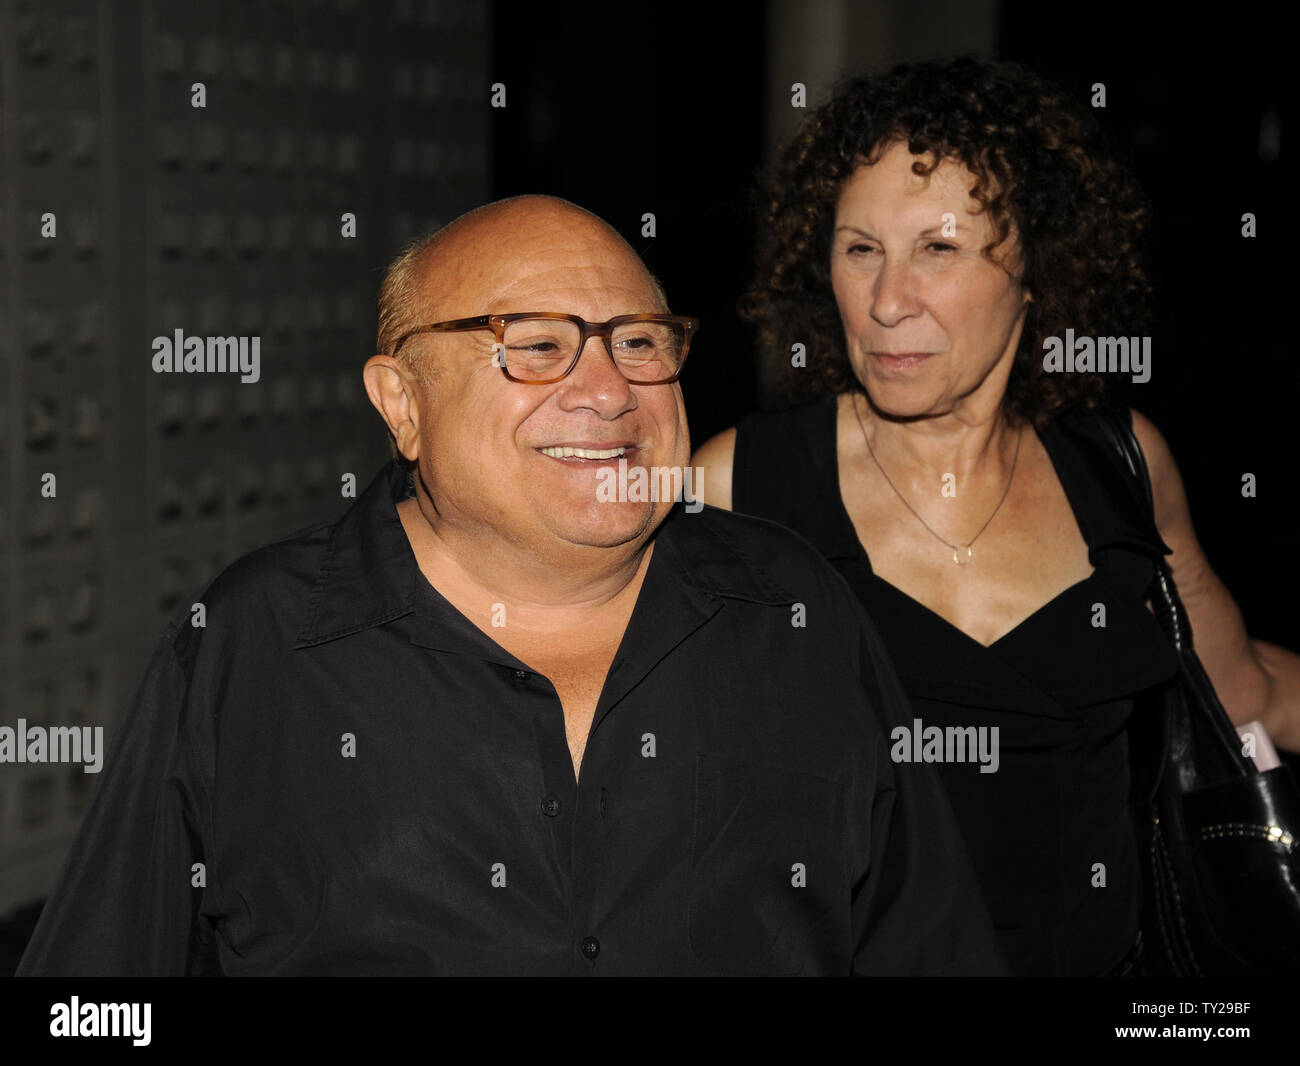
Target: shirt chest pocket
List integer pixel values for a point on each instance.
(768, 890)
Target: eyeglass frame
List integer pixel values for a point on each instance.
(604, 330)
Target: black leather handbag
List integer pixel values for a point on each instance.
(1221, 840)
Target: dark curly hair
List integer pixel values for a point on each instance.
(1041, 165)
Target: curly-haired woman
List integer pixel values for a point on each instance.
(925, 236)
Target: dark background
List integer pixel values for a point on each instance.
(667, 108)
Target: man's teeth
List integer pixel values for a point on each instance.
(583, 453)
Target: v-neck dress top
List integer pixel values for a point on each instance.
(1050, 831)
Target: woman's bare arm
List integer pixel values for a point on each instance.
(1254, 679)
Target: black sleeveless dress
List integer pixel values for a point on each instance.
(1050, 832)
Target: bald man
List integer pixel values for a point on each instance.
(508, 714)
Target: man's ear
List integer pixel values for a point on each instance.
(395, 395)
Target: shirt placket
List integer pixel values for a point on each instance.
(558, 809)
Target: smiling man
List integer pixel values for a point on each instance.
(492, 721)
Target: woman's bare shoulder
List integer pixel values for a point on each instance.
(714, 457)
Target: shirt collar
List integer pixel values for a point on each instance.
(368, 574)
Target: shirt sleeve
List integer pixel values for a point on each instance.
(124, 904)
(918, 911)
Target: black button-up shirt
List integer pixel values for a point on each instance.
(340, 774)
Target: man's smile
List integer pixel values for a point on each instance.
(564, 451)
(589, 453)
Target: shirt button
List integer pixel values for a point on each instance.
(521, 675)
(550, 806)
(590, 947)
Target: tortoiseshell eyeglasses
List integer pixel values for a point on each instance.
(542, 347)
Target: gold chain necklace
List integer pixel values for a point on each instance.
(968, 547)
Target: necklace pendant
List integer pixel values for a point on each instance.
(959, 558)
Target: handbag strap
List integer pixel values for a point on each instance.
(1169, 609)
(1168, 606)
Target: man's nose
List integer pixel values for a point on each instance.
(597, 383)
(893, 296)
